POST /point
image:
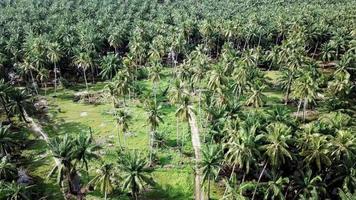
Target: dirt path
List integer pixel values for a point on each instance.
(198, 193)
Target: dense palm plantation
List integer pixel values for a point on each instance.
(107, 99)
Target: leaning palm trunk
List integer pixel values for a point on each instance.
(38, 130)
(55, 79)
(197, 152)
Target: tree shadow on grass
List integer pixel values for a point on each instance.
(167, 192)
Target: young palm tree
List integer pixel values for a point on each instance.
(134, 173)
(256, 98)
(20, 103)
(8, 141)
(54, 54)
(104, 179)
(86, 150)
(15, 191)
(343, 146)
(8, 170)
(184, 110)
(309, 185)
(64, 150)
(275, 187)
(109, 66)
(276, 144)
(315, 150)
(5, 90)
(235, 190)
(210, 164)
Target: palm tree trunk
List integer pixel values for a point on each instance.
(177, 131)
(209, 188)
(34, 84)
(55, 79)
(286, 100)
(299, 104)
(259, 179)
(304, 107)
(197, 152)
(85, 79)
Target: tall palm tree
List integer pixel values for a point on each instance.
(122, 119)
(83, 60)
(135, 173)
(210, 164)
(241, 148)
(154, 119)
(104, 179)
(54, 54)
(305, 89)
(155, 77)
(186, 112)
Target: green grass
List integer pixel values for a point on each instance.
(173, 174)
(174, 171)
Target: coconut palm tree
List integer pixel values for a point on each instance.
(122, 119)
(5, 90)
(8, 170)
(155, 77)
(20, 103)
(235, 190)
(309, 186)
(154, 119)
(63, 149)
(86, 149)
(8, 141)
(210, 164)
(135, 173)
(83, 61)
(276, 146)
(315, 150)
(241, 148)
(104, 179)
(343, 146)
(109, 66)
(275, 187)
(305, 89)
(15, 191)
(255, 97)
(54, 54)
